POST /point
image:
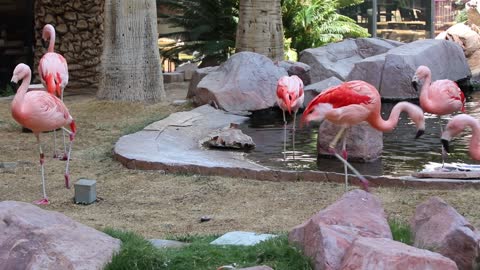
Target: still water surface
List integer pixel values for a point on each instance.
(401, 156)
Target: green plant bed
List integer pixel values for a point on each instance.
(137, 253)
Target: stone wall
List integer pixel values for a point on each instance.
(79, 30)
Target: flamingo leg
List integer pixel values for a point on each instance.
(362, 179)
(293, 133)
(444, 153)
(67, 172)
(42, 170)
(64, 157)
(284, 137)
(55, 144)
(334, 143)
(345, 156)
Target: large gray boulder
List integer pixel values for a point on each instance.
(439, 227)
(247, 81)
(197, 76)
(444, 58)
(327, 235)
(364, 143)
(33, 238)
(338, 59)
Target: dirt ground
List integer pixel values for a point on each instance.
(161, 205)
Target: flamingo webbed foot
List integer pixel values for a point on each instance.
(43, 201)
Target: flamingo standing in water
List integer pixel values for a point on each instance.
(440, 97)
(40, 111)
(289, 98)
(53, 71)
(456, 125)
(351, 103)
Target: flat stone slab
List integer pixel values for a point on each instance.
(239, 238)
(175, 141)
(172, 146)
(162, 243)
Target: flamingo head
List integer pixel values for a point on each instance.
(454, 127)
(420, 75)
(47, 33)
(20, 72)
(290, 93)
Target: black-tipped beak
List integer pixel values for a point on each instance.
(445, 145)
(415, 85)
(420, 132)
(14, 85)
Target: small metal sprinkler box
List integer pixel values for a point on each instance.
(85, 191)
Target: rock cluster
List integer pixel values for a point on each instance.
(353, 233)
(79, 31)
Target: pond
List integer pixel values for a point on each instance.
(402, 155)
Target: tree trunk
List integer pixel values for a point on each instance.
(130, 67)
(260, 28)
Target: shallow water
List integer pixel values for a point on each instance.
(402, 154)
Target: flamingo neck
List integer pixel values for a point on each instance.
(425, 101)
(51, 35)
(22, 90)
(377, 122)
(475, 140)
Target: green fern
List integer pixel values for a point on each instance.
(313, 23)
(209, 28)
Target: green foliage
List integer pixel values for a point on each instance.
(401, 232)
(209, 28)
(313, 23)
(347, 3)
(137, 253)
(461, 16)
(8, 91)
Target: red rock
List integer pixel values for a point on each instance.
(33, 238)
(386, 254)
(439, 227)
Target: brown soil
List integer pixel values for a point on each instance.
(158, 205)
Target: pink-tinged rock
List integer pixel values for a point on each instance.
(439, 227)
(247, 81)
(33, 238)
(328, 234)
(381, 253)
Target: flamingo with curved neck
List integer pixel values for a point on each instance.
(457, 125)
(53, 71)
(290, 98)
(40, 111)
(353, 102)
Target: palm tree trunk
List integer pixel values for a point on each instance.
(130, 67)
(260, 28)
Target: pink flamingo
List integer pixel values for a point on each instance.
(440, 97)
(351, 103)
(456, 125)
(289, 98)
(40, 111)
(53, 71)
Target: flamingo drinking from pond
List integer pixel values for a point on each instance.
(289, 98)
(456, 125)
(351, 103)
(53, 71)
(40, 111)
(440, 97)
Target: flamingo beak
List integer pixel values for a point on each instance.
(415, 83)
(420, 132)
(445, 145)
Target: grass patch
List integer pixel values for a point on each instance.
(7, 91)
(137, 253)
(401, 231)
(142, 124)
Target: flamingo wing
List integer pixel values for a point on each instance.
(341, 95)
(44, 112)
(449, 93)
(53, 71)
